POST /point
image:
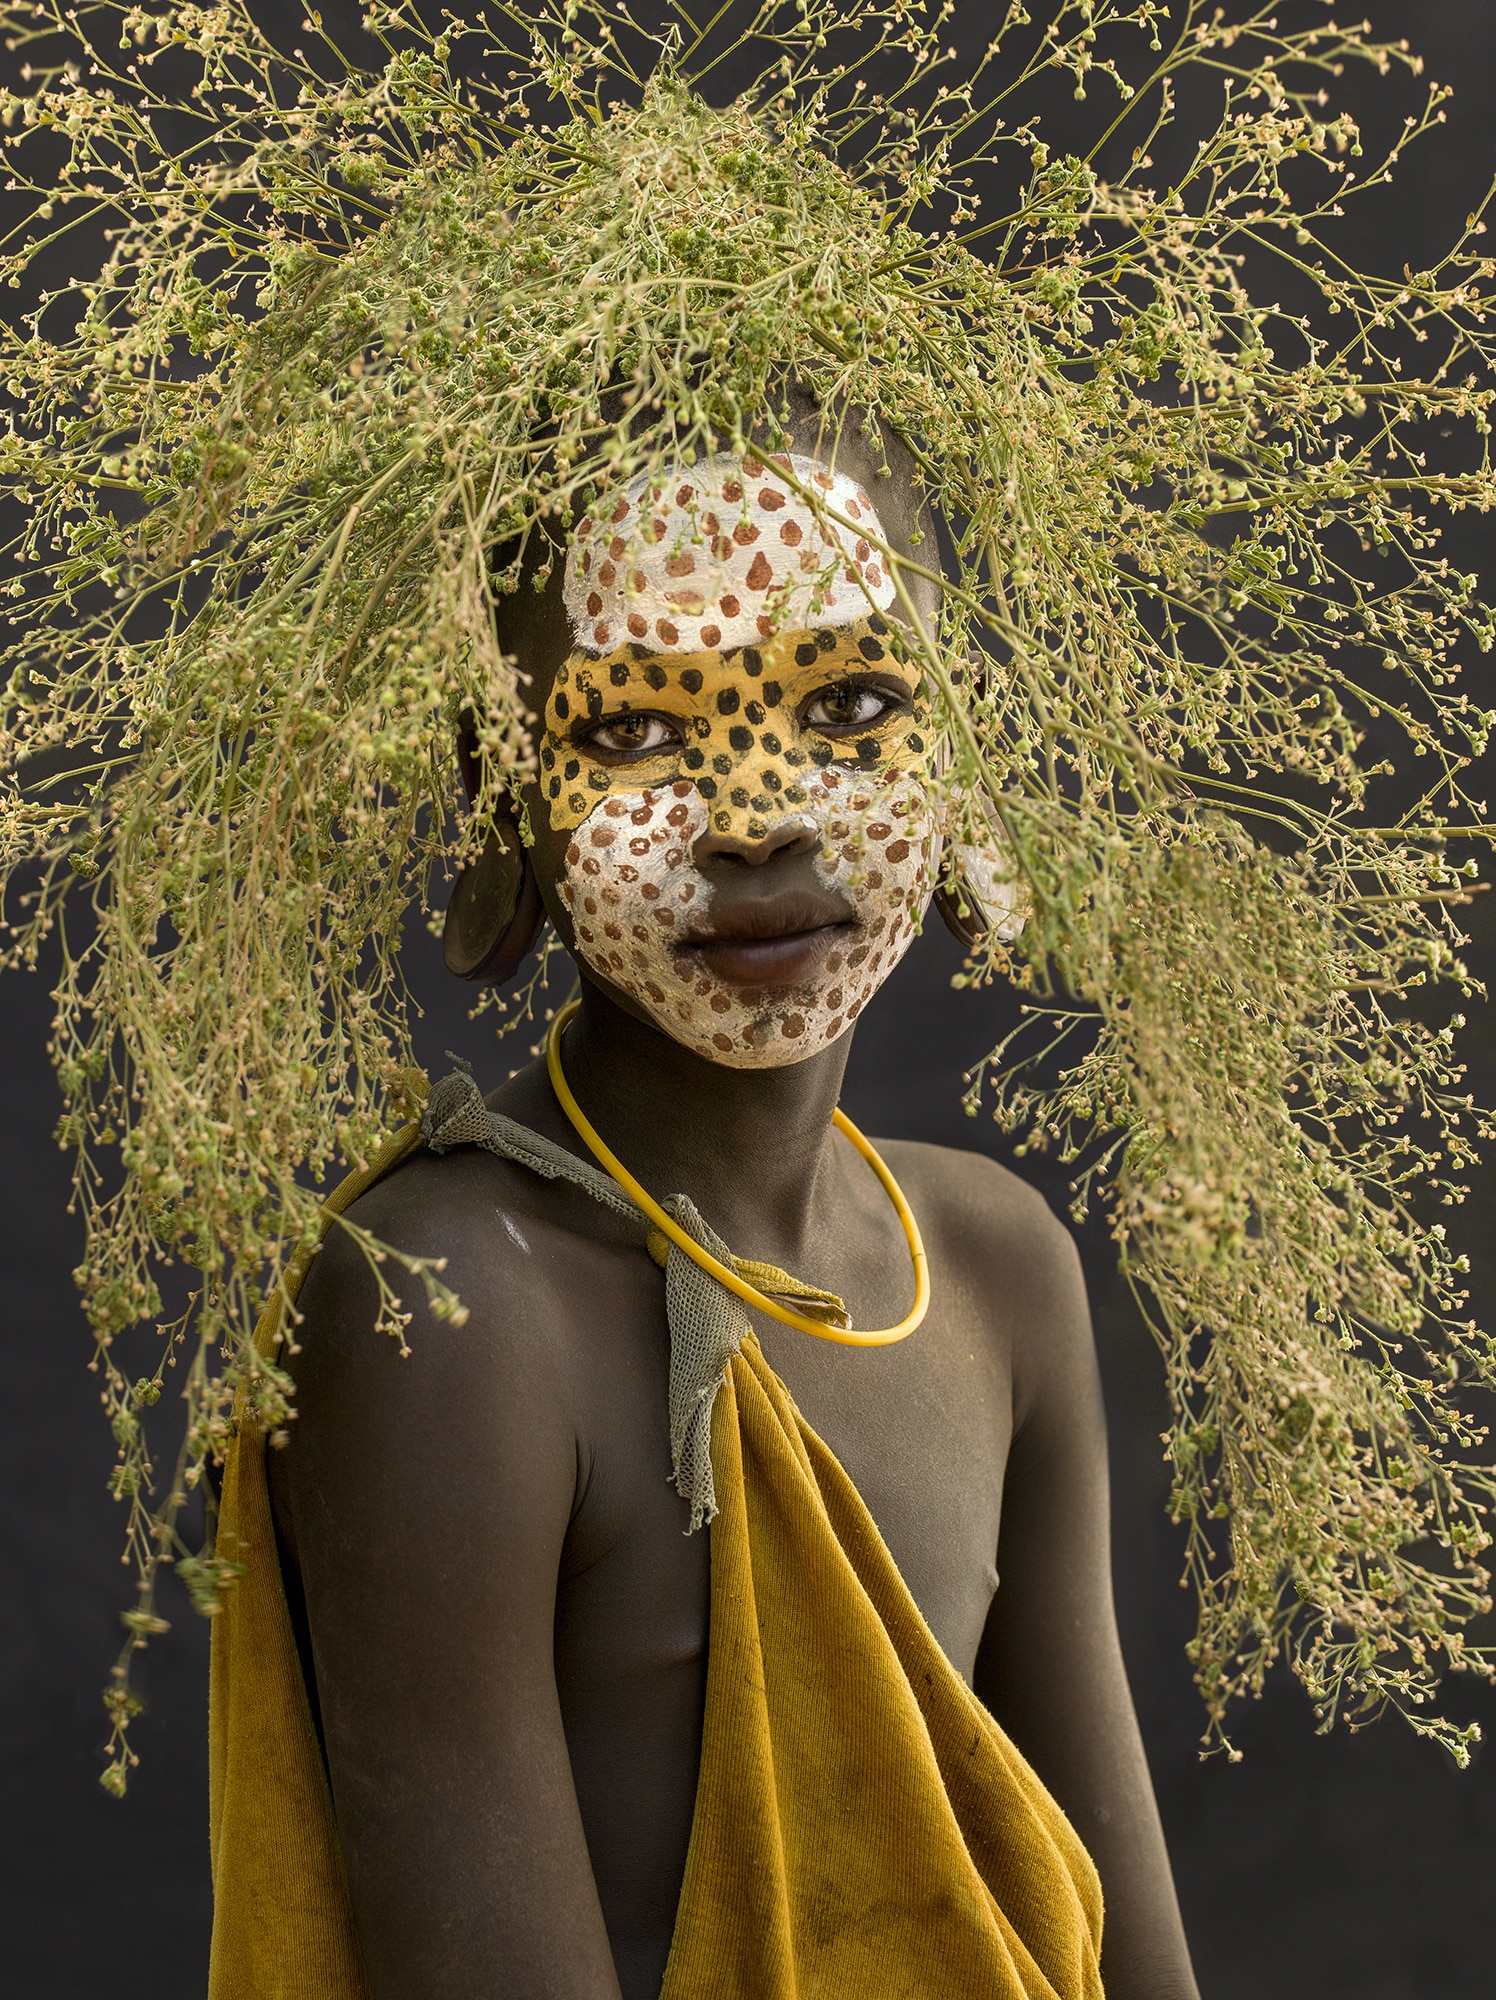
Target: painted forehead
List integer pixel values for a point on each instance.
(724, 554)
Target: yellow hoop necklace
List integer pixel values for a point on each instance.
(723, 1273)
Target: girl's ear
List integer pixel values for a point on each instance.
(495, 914)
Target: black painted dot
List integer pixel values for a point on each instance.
(702, 724)
(594, 702)
(554, 788)
(871, 650)
(572, 769)
(690, 680)
(739, 795)
(722, 820)
(548, 758)
(654, 673)
(794, 795)
(740, 737)
(598, 780)
(821, 753)
(878, 625)
(868, 748)
(794, 755)
(916, 743)
(825, 641)
(722, 764)
(753, 660)
(808, 654)
(772, 692)
(771, 743)
(771, 781)
(576, 803)
(728, 701)
(618, 673)
(563, 706)
(763, 804)
(707, 787)
(754, 710)
(693, 759)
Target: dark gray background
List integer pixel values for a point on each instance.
(1342, 1868)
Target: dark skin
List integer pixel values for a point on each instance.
(507, 1625)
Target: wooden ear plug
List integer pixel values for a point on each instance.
(495, 913)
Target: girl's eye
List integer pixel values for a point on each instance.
(632, 736)
(850, 705)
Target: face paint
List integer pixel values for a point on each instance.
(651, 746)
(637, 900)
(725, 554)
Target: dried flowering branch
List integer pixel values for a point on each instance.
(336, 336)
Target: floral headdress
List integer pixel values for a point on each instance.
(307, 344)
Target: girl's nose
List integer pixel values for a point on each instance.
(754, 844)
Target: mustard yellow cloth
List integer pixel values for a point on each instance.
(863, 1829)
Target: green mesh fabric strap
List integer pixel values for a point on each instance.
(707, 1323)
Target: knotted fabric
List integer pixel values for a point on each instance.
(862, 1825)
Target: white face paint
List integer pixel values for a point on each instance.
(725, 554)
(636, 899)
(731, 675)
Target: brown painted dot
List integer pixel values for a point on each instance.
(650, 891)
(603, 836)
(896, 850)
(791, 1026)
(863, 552)
(855, 958)
(613, 931)
(683, 564)
(711, 635)
(745, 534)
(879, 830)
(668, 632)
(637, 846)
(770, 500)
(617, 548)
(723, 1042)
(665, 917)
(638, 627)
(874, 576)
(765, 627)
(791, 533)
(720, 1003)
(678, 815)
(656, 993)
(627, 874)
(602, 634)
(733, 490)
(620, 510)
(685, 495)
(729, 606)
(833, 1028)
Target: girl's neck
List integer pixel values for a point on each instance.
(753, 1148)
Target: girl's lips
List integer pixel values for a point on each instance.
(786, 960)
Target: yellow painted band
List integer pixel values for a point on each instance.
(723, 1273)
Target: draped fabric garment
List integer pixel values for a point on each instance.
(862, 1826)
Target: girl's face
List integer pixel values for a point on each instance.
(732, 763)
